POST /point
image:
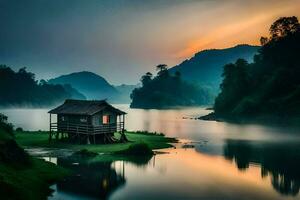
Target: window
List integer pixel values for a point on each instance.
(105, 119)
(83, 120)
(63, 118)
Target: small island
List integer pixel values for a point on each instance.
(168, 90)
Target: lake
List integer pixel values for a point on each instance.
(223, 161)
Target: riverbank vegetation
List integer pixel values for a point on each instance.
(22, 89)
(166, 91)
(21, 176)
(269, 87)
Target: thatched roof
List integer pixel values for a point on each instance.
(84, 107)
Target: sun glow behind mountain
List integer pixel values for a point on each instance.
(235, 24)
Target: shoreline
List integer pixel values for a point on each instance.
(259, 119)
(39, 139)
(38, 147)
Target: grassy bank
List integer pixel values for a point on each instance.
(21, 176)
(40, 139)
(29, 182)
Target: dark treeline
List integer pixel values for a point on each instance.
(21, 89)
(166, 90)
(271, 85)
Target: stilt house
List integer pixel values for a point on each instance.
(86, 121)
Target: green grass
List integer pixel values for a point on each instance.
(31, 182)
(40, 139)
(24, 180)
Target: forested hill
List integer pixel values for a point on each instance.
(166, 91)
(206, 66)
(269, 87)
(90, 84)
(21, 89)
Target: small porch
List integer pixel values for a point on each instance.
(86, 132)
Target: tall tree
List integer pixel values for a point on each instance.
(146, 78)
(284, 26)
(234, 86)
(162, 69)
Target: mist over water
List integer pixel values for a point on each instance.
(180, 123)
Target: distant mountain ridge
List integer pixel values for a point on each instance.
(206, 66)
(91, 85)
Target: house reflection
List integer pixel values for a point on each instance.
(94, 179)
(280, 162)
(97, 180)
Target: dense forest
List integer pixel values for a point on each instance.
(166, 90)
(268, 87)
(21, 89)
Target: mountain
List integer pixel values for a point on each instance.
(73, 92)
(91, 85)
(206, 66)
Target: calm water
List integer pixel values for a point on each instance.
(229, 161)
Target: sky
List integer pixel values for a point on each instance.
(122, 39)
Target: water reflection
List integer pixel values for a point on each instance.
(181, 174)
(280, 162)
(92, 179)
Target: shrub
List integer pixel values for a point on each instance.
(19, 129)
(11, 153)
(138, 149)
(85, 153)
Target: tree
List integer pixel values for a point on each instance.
(146, 78)
(264, 41)
(42, 82)
(162, 69)
(283, 27)
(234, 86)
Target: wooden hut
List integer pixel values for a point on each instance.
(86, 121)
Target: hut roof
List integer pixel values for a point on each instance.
(84, 107)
